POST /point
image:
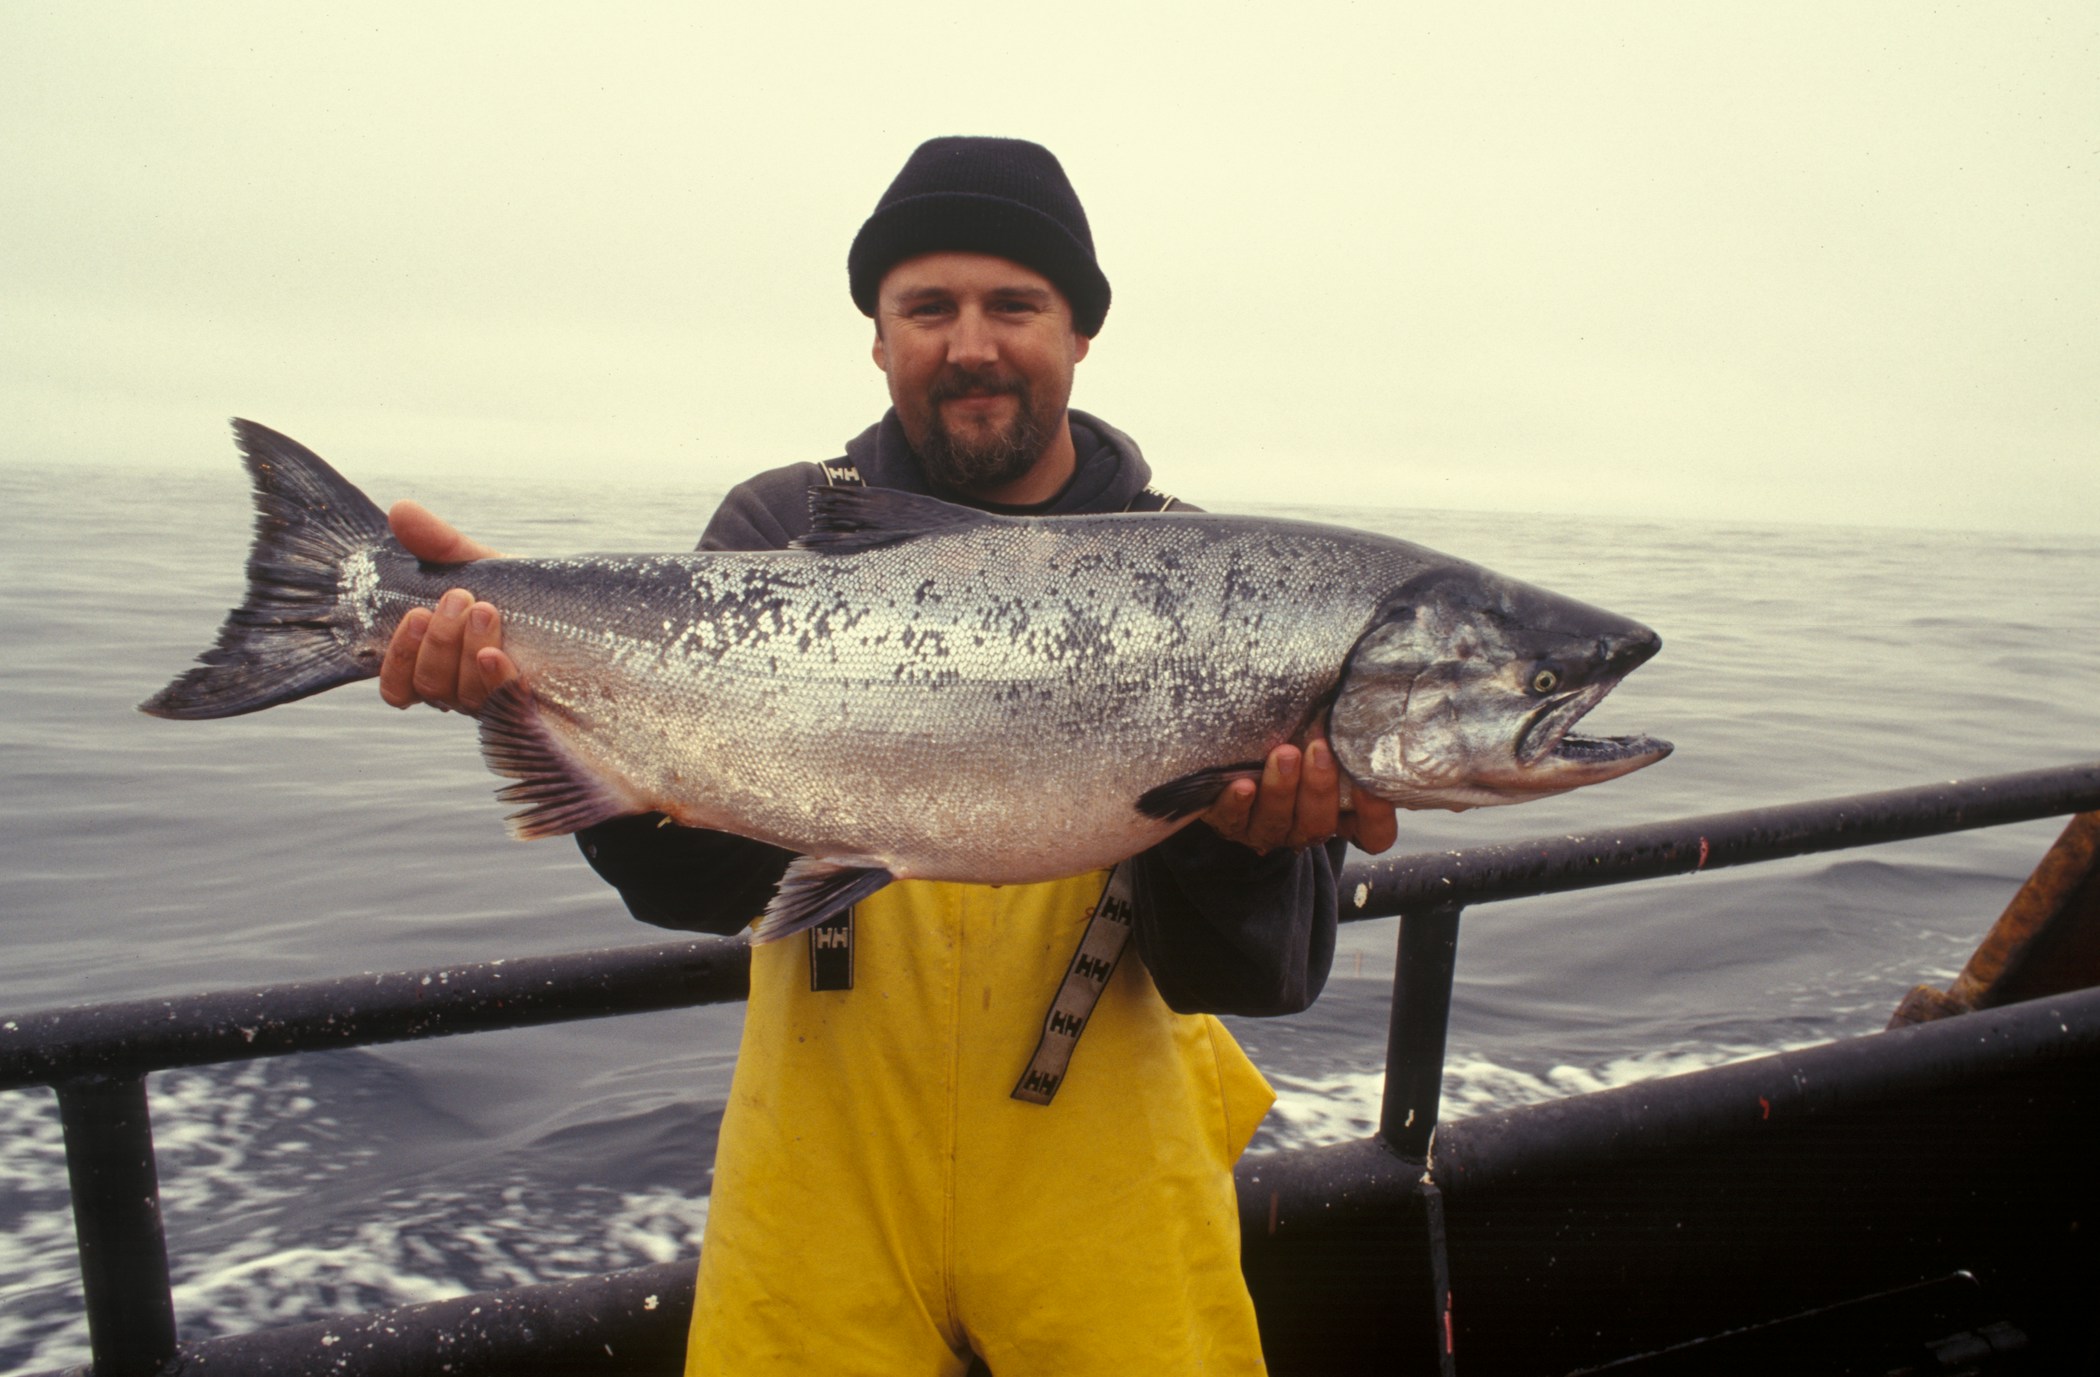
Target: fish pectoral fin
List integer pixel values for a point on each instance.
(1192, 793)
(843, 520)
(561, 791)
(813, 890)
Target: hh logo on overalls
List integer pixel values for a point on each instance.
(1108, 928)
(831, 953)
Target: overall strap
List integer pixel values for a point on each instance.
(1100, 946)
(831, 941)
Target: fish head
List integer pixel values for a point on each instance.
(1462, 691)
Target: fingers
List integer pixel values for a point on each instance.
(428, 537)
(1259, 813)
(1269, 821)
(449, 656)
(497, 669)
(1298, 804)
(438, 655)
(436, 677)
(1373, 826)
(483, 630)
(1317, 814)
(1228, 816)
(397, 670)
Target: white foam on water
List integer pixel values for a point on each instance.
(1320, 1111)
(277, 1214)
(436, 1246)
(40, 1304)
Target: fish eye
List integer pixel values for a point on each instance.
(1544, 681)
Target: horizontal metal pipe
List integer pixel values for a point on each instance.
(1653, 1121)
(196, 1030)
(1292, 1205)
(234, 1025)
(1551, 865)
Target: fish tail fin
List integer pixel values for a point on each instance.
(287, 639)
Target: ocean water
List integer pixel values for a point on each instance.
(140, 857)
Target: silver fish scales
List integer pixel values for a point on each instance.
(930, 691)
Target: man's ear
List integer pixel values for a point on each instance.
(882, 355)
(1085, 343)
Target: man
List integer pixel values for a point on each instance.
(887, 1199)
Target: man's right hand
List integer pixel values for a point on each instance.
(451, 656)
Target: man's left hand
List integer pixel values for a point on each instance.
(1297, 803)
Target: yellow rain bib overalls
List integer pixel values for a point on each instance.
(882, 1205)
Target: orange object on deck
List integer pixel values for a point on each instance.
(2046, 942)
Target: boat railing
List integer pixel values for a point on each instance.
(96, 1057)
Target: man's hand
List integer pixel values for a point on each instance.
(1298, 803)
(450, 657)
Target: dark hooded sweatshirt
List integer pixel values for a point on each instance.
(1221, 929)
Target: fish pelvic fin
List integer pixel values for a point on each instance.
(561, 792)
(813, 890)
(285, 641)
(844, 520)
(1192, 793)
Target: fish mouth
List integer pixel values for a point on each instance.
(1548, 741)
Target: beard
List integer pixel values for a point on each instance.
(984, 459)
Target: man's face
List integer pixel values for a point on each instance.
(979, 352)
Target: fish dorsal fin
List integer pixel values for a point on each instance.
(844, 519)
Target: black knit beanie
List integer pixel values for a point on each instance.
(1006, 197)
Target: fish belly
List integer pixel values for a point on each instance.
(986, 708)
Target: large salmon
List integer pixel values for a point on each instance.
(927, 691)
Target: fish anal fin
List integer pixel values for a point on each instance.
(846, 519)
(815, 889)
(1192, 793)
(561, 791)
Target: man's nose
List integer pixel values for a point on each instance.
(970, 343)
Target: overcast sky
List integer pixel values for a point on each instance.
(1823, 262)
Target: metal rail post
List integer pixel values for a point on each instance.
(1414, 1049)
(116, 1216)
(1414, 1083)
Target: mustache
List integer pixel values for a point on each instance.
(957, 382)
